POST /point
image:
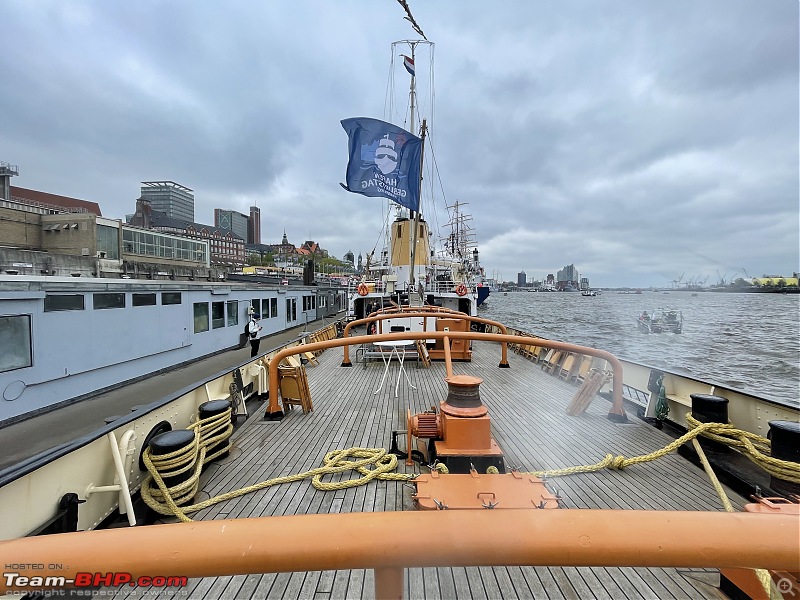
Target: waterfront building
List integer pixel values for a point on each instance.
(7, 171)
(254, 226)
(522, 279)
(225, 247)
(45, 203)
(567, 277)
(232, 220)
(286, 252)
(50, 234)
(312, 248)
(170, 198)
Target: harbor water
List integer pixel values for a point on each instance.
(745, 341)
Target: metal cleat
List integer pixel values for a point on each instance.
(490, 504)
(439, 505)
(542, 503)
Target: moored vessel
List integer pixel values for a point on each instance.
(660, 321)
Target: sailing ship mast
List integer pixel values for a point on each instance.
(415, 215)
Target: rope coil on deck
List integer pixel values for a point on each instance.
(753, 446)
(336, 461)
(209, 432)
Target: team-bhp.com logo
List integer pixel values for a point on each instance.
(85, 580)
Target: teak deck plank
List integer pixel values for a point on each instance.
(527, 407)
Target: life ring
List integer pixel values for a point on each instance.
(363, 290)
(461, 289)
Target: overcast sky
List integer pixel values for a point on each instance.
(636, 140)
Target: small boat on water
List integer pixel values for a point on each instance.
(661, 321)
(589, 293)
(429, 462)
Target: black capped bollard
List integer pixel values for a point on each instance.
(785, 438)
(213, 408)
(169, 442)
(709, 409)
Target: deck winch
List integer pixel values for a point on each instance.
(461, 431)
(470, 472)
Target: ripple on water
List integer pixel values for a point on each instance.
(745, 341)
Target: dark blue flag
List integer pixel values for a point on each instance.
(384, 161)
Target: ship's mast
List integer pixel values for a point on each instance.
(413, 91)
(416, 215)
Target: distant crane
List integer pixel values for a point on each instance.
(721, 278)
(675, 282)
(745, 273)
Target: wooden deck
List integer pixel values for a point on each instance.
(527, 407)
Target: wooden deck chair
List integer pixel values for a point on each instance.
(583, 370)
(586, 393)
(551, 365)
(294, 389)
(311, 358)
(290, 361)
(422, 353)
(566, 367)
(544, 355)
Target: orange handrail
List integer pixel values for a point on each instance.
(617, 408)
(463, 538)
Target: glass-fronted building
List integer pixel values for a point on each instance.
(150, 243)
(174, 199)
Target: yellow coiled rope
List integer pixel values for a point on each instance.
(755, 447)
(371, 463)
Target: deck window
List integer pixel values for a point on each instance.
(144, 299)
(233, 312)
(200, 317)
(103, 301)
(54, 302)
(15, 342)
(273, 307)
(170, 298)
(217, 315)
(309, 302)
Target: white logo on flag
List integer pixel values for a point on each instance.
(386, 156)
